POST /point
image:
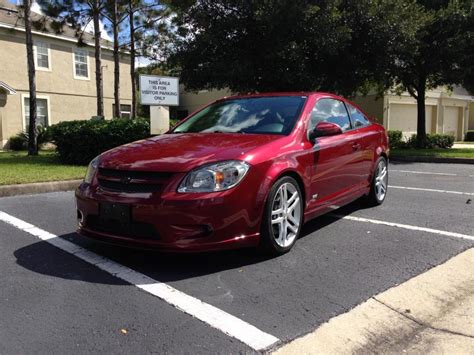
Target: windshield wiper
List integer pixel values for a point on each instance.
(217, 131)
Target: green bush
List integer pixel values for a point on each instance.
(444, 141)
(17, 143)
(395, 139)
(469, 136)
(78, 142)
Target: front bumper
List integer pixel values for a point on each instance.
(177, 222)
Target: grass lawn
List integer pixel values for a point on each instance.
(18, 168)
(441, 153)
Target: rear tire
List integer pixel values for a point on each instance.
(282, 218)
(379, 184)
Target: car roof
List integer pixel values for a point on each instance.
(285, 93)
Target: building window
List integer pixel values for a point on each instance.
(42, 55)
(125, 110)
(41, 112)
(81, 62)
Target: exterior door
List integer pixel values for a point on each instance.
(363, 140)
(333, 156)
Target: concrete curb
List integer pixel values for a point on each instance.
(430, 313)
(422, 159)
(38, 187)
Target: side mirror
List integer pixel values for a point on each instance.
(324, 129)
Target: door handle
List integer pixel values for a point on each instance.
(355, 146)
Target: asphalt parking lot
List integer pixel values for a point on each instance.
(55, 302)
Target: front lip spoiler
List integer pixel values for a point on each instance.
(141, 244)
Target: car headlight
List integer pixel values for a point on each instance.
(216, 177)
(91, 170)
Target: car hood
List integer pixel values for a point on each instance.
(182, 152)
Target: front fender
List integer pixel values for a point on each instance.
(278, 168)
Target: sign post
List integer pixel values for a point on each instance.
(159, 92)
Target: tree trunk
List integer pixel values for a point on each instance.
(32, 139)
(98, 59)
(421, 112)
(116, 61)
(133, 113)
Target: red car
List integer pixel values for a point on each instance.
(244, 171)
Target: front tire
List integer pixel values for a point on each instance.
(282, 218)
(379, 185)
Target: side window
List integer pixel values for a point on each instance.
(358, 118)
(330, 110)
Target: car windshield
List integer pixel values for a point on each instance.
(258, 115)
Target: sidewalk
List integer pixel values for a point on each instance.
(431, 313)
(463, 146)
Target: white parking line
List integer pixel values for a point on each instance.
(422, 172)
(405, 226)
(432, 190)
(213, 316)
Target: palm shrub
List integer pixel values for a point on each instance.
(20, 141)
(42, 136)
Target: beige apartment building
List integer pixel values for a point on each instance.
(447, 111)
(65, 76)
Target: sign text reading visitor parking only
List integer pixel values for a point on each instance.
(159, 90)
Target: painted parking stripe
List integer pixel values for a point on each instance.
(432, 190)
(405, 226)
(213, 316)
(421, 172)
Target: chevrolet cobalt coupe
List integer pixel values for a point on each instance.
(244, 171)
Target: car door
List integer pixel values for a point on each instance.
(333, 156)
(364, 138)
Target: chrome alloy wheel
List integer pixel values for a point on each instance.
(286, 214)
(381, 180)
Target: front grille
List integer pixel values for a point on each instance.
(134, 230)
(132, 181)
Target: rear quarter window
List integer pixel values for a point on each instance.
(358, 118)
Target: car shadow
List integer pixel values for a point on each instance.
(162, 267)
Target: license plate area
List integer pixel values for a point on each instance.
(115, 213)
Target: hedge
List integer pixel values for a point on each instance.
(395, 139)
(469, 136)
(433, 141)
(78, 142)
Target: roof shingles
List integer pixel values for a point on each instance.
(10, 16)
